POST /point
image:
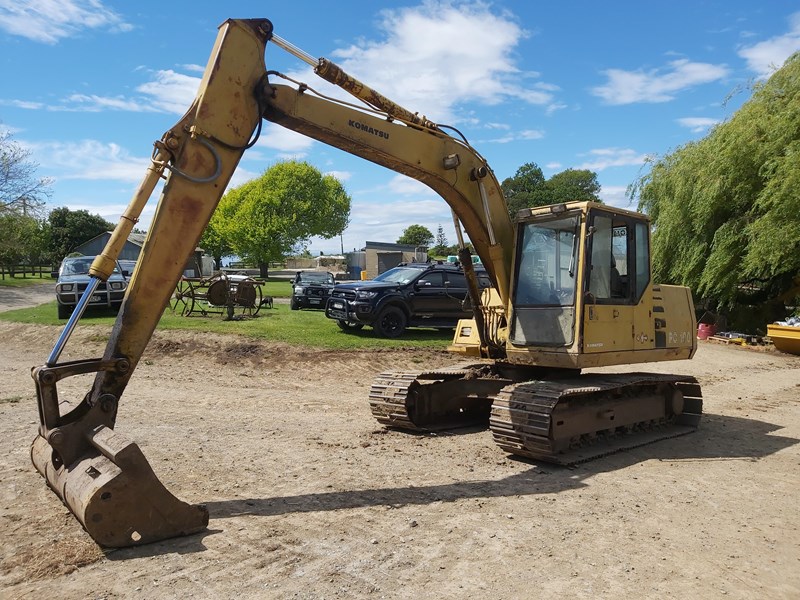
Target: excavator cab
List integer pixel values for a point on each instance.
(581, 296)
(582, 293)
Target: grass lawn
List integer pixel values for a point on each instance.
(18, 282)
(280, 324)
(277, 288)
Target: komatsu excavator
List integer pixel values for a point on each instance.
(572, 290)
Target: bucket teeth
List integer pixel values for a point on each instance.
(115, 494)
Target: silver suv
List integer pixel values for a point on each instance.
(73, 278)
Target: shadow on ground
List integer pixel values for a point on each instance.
(719, 438)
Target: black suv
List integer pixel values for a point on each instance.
(310, 289)
(412, 295)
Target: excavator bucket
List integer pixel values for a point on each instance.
(114, 493)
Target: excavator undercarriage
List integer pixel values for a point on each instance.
(555, 416)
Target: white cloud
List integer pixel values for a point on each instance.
(25, 104)
(89, 160)
(604, 158)
(553, 166)
(403, 185)
(290, 143)
(400, 211)
(697, 124)
(657, 85)
(48, 21)
(524, 134)
(242, 175)
(385, 222)
(341, 176)
(168, 91)
(93, 103)
(112, 212)
(555, 106)
(615, 195)
(382, 213)
(171, 91)
(767, 56)
(436, 56)
(86, 103)
(193, 68)
(530, 134)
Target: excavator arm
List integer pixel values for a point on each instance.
(103, 477)
(444, 163)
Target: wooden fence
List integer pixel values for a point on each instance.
(25, 271)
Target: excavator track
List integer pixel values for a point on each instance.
(563, 420)
(449, 398)
(574, 420)
(387, 399)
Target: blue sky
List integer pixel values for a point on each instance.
(88, 85)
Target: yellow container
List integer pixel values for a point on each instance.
(363, 275)
(785, 339)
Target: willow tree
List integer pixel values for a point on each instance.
(266, 218)
(726, 209)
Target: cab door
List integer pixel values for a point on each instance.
(646, 314)
(609, 303)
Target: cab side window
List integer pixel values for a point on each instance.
(603, 272)
(619, 260)
(642, 261)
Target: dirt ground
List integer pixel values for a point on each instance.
(310, 498)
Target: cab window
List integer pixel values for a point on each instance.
(546, 263)
(619, 260)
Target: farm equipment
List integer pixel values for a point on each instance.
(219, 294)
(572, 289)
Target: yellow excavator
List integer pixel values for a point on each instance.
(572, 290)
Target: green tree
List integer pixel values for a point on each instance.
(21, 240)
(572, 184)
(529, 187)
(526, 188)
(71, 228)
(726, 209)
(416, 235)
(267, 218)
(20, 191)
(440, 246)
(213, 240)
(453, 250)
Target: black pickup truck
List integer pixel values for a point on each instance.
(411, 295)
